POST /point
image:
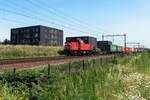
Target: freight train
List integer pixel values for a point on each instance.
(86, 45)
(109, 47)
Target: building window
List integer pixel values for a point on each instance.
(15, 31)
(27, 30)
(26, 35)
(35, 40)
(21, 30)
(36, 29)
(52, 36)
(55, 31)
(52, 31)
(35, 35)
(46, 31)
(13, 37)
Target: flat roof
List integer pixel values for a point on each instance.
(36, 26)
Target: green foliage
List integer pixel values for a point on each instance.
(100, 79)
(142, 62)
(20, 51)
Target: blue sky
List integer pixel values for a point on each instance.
(83, 17)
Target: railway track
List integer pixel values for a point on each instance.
(30, 62)
(25, 60)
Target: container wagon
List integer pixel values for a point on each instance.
(107, 47)
(127, 50)
(116, 49)
(104, 46)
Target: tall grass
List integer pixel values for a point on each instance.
(98, 81)
(19, 51)
(142, 62)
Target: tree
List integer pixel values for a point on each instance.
(6, 41)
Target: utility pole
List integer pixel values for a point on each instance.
(102, 37)
(125, 41)
(117, 35)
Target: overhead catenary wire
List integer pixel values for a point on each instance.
(54, 23)
(37, 18)
(51, 11)
(37, 13)
(43, 20)
(68, 27)
(55, 11)
(27, 16)
(23, 23)
(68, 19)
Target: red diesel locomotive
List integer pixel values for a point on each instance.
(77, 46)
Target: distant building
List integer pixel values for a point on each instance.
(37, 35)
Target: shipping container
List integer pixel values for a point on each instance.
(114, 48)
(108, 47)
(104, 46)
(127, 49)
(104, 43)
(119, 49)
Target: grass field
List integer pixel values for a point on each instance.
(121, 78)
(21, 51)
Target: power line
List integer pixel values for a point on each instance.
(54, 11)
(20, 22)
(31, 17)
(77, 20)
(49, 11)
(50, 22)
(44, 20)
(54, 23)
